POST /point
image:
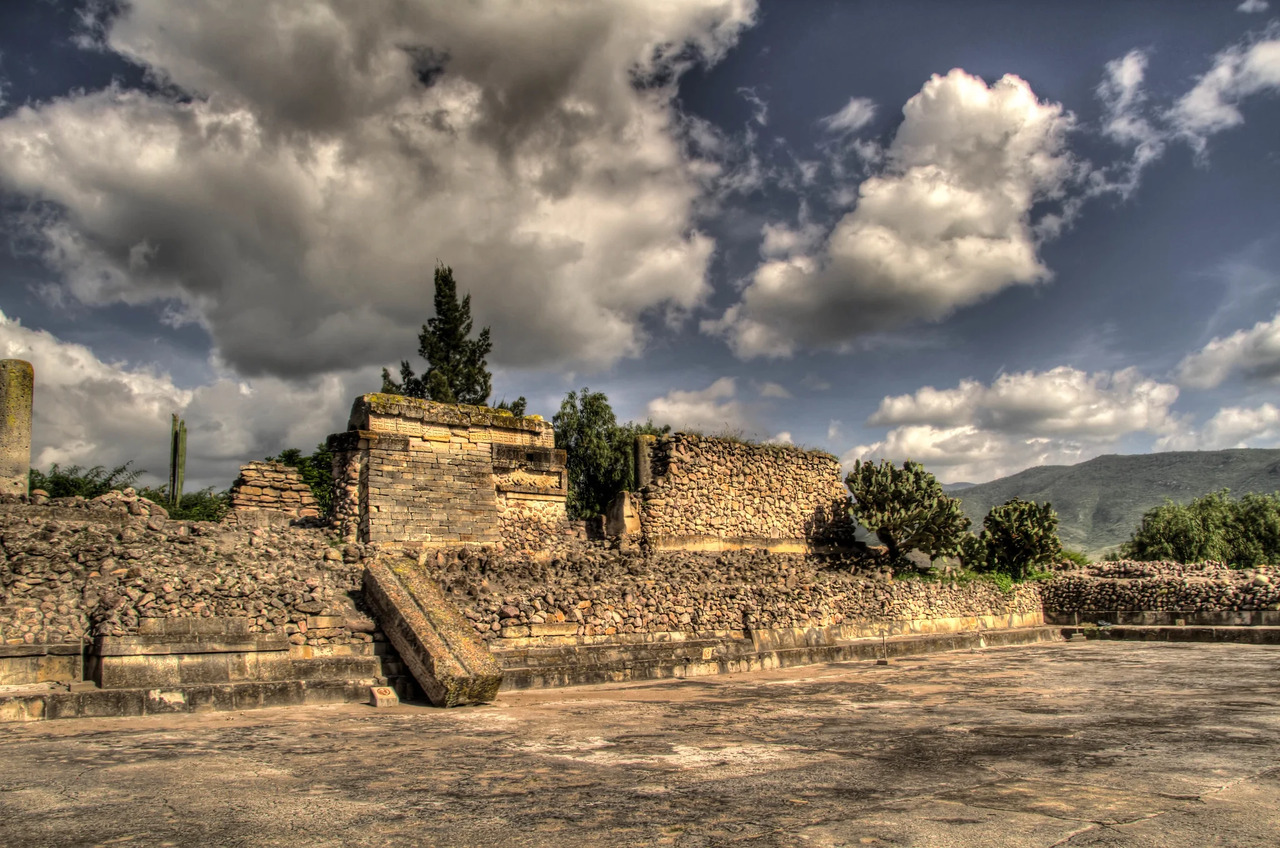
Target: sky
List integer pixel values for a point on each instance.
(984, 236)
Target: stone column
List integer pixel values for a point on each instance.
(17, 379)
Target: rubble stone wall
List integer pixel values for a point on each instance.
(275, 486)
(415, 472)
(598, 591)
(1162, 586)
(718, 494)
(76, 569)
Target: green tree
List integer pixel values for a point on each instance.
(316, 471)
(906, 509)
(599, 453)
(456, 371)
(1242, 532)
(1019, 537)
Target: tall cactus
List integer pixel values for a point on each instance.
(1020, 536)
(906, 508)
(177, 459)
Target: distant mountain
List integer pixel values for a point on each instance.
(956, 487)
(1100, 502)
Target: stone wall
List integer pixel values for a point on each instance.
(419, 473)
(274, 486)
(77, 569)
(598, 591)
(1106, 587)
(701, 493)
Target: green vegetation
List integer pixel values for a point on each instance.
(88, 483)
(906, 509)
(599, 452)
(1242, 532)
(1020, 537)
(1077, 557)
(316, 471)
(456, 371)
(204, 505)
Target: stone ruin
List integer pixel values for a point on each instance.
(274, 486)
(413, 473)
(449, 571)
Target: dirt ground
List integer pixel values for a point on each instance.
(1081, 744)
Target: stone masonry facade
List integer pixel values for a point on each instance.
(275, 486)
(416, 473)
(710, 494)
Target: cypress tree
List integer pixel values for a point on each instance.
(456, 371)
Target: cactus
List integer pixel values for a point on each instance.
(1020, 536)
(177, 459)
(906, 508)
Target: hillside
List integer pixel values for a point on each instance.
(1100, 502)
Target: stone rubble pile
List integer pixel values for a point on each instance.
(74, 569)
(276, 486)
(603, 592)
(1196, 587)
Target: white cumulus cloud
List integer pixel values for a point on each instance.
(309, 165)
(978, 431)
(1253, 353)
(1230, 427)
(1251, 7)
(1241, 70)
(945, 223)
(715, 409)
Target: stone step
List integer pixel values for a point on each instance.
(90, 703)
(1248, 634)
(733, 656)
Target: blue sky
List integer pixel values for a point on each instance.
(984, 236)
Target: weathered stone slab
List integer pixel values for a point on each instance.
(436, 642)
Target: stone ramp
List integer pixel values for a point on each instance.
(437, 644)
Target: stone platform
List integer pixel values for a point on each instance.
(1087, 744)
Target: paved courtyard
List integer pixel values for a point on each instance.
(1060, 744)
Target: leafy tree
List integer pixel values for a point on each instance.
(1242, 532)
(316, 471)
(906, 508)
(1019, 537)
(600, 453)
(87, 483)
(456, 371)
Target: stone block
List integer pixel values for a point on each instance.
(383, 696)
(436, 642)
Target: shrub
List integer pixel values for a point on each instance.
(204, 505)
(906, 509)
(1075, 557)
(86, 483)
(1020, 537)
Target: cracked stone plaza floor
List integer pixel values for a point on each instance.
(1081, 744)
